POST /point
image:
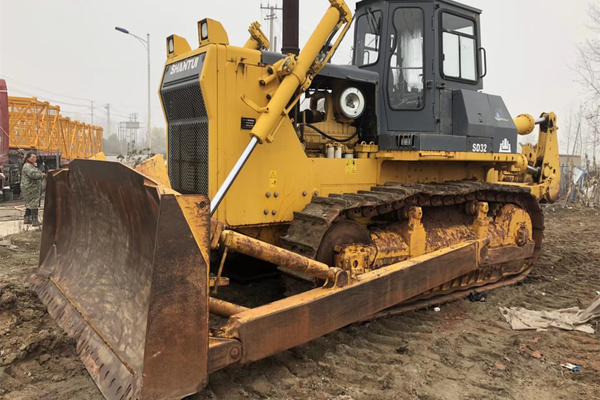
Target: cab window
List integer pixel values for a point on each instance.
(368, 38)
(459, 46)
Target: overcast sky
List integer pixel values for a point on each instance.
(53, 49)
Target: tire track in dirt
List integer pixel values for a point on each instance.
(465, 351)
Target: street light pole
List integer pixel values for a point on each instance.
(146, 44)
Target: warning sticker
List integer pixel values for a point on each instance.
(350, 167)
(273, 178)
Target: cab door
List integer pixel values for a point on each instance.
(408, 83)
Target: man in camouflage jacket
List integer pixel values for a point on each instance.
(31, 185)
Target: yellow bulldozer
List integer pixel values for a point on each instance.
(392, 182)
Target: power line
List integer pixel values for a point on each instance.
(43, 90)
(48, 98)
(62, 102)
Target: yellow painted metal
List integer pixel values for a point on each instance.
(548, 156)
(513, 162)
(232, 74)
(298, 71)
(366, 150)
(216, 34)
(35, 124)
(100, 156)
(530, 152)
(194, 209)
(155, 168)
(258, 40)
(356, 258)
(512, 226)
(415, 235)
(280, 178)
(481, 222)
(544, 158)
(180, 46)
(525, 124)
(390, 244)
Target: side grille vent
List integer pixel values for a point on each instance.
(188, 137)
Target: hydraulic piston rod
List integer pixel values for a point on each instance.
(232, 175)
(526, 123)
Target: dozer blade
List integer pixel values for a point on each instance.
(124, 270)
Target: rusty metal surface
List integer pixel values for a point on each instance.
(121, 272)
(298, 319)
(282, 257)
(341, 233)
(222, 353)
(124, 269)
(215, 281)
(310, 226)
(176, 343)
(224, 309)
(105, 367)
(507, 254)
(446, 298)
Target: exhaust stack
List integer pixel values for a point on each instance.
(291, 26)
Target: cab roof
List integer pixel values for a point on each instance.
(449, 2)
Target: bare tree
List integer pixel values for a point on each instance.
(588, 67)
(581, 185)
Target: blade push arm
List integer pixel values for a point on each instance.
(543, 158)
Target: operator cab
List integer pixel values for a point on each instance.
(431, 66)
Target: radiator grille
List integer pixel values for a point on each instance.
(188, 137)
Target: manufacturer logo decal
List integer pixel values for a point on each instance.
(185, 65)
(505, 146)
(500, 118)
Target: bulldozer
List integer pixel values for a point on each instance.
(391, 184)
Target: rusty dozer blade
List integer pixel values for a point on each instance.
(124, 270)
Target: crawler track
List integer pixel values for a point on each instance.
(309, 226)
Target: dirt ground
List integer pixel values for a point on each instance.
(464, 351)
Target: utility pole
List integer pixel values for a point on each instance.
(271, 17)
(107, 120)
(92, 112)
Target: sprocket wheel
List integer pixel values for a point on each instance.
(339, 234)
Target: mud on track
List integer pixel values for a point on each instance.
(465, 351)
